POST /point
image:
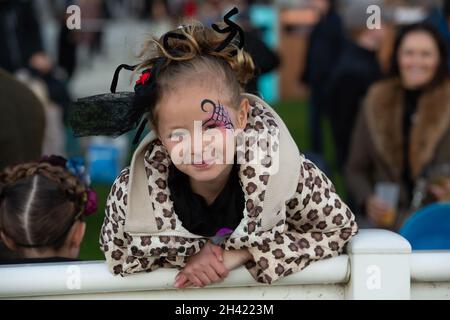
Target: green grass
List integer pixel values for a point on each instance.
(295, 115)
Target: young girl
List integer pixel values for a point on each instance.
(180, 204)
(42, 205)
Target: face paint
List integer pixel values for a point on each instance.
(220, 117)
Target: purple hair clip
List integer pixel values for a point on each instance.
(221, 235)
(90, 205)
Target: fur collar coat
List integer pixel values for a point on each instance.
(377, 148)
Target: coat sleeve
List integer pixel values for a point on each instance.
(126, 254)
(318, 225)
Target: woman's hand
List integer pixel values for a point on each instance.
(203, 268)
(441, 191)
(379, 212)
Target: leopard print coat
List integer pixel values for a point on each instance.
(305, 222)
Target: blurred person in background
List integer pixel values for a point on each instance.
(325, 45)
(23, 55)
(20, 32)
(22, 122)
(67, 42)
(265, 59)
(93, 13)
(159, 17)
(403, 129)
(441, 19)
(355, 70)
(55, 99)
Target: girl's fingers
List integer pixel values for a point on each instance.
(220, 269)
(180, 280)
(195, 280)
(203, 278)
(212, 274)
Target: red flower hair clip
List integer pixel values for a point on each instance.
(144, 77)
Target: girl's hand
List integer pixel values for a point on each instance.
(441, 191)
(379, 212)
(203, 268)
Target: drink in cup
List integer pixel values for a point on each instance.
(389, 193)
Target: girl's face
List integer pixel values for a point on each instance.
(197, 127)
(418, 59)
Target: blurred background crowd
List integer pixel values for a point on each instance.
(365, 93)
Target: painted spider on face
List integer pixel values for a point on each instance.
(220, 117)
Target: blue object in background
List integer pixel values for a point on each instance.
(266, 18)
(106, 158)
(103, 163)
(429, 228)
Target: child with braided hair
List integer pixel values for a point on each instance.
(42, 205)
(218, 182)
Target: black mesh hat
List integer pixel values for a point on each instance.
(115, 113)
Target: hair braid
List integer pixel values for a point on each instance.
(66, 181)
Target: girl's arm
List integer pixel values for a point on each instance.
(126, 254)
(233, 259)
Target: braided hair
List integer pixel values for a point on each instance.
(39, 202)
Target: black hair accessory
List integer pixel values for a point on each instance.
(113, 114)
(175, 35)
(232, 29)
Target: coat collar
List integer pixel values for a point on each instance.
(266, 187)
(383, 109)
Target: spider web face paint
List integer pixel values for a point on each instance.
(219, 117)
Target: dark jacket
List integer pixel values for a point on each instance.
(325, 46)
(356, 70)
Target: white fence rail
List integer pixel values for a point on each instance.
(378, 265)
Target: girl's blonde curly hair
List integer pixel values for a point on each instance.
(191, 51)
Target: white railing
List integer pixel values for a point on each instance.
(378, 265)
